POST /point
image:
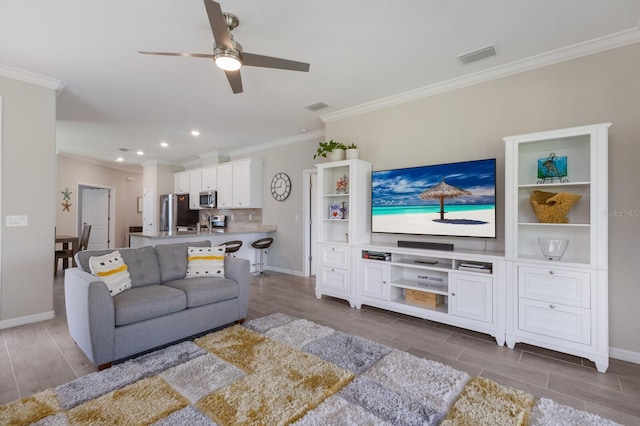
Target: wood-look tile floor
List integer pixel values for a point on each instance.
(38, 356)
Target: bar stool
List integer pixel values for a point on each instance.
(262, 244)
(231, 247)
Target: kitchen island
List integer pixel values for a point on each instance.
(246, 232)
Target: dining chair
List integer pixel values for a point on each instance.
(84, 239)
(70, 253)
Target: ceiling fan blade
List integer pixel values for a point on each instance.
(235, 81)
(253, 60)
(187, 55)
(218, 25)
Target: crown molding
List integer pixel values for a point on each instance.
(130, 168)
(590, 47)
(281, 142)
(30, 77)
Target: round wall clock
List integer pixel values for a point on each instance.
(280, 186)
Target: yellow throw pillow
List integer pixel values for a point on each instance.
(205, 262)
(112, 270)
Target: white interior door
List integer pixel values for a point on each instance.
(95, 212)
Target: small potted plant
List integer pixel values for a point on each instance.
(332, 150)
(352, 152)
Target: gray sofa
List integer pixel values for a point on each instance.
(161, 307)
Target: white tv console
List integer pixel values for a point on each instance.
(470, 283)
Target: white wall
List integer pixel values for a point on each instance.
(470, 123)
(28, 165)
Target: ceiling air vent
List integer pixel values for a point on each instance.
(316, 106)
(486, 52)
(123, 149)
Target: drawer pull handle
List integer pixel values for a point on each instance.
(552, 306)
(453, 294)
(551, 272)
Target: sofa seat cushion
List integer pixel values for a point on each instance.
(143, 303)
(204, 291)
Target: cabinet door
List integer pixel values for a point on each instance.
(225, 186)
(195, 182)
(471, 296)
(181, 183)
(241, 177)
(373, 279)
(209, 178)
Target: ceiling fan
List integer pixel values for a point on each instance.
(228, 54)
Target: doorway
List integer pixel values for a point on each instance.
(311, 221)
(96, 209)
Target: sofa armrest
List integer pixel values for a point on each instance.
(237, 269)
(90, 315)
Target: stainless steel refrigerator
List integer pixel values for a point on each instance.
(175, 213)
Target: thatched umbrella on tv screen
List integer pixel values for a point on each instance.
(441, 191)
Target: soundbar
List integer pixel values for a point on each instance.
(426, 245)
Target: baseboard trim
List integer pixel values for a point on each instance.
(284, 271)
(14, 322)
(624, 355)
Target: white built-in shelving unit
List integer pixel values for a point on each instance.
(559, 304)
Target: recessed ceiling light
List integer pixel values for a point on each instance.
(139, 152)
(195, 133)
(164, 144)
(119, 160)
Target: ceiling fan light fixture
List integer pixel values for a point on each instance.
(228, 61)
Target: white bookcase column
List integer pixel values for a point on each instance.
(559, 304)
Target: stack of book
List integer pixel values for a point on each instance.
(475, 267)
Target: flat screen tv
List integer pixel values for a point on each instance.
(456, 199)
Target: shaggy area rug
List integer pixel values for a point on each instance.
(279, 370)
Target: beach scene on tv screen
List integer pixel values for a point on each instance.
(456, 199)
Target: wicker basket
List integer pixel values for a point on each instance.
(552, 207)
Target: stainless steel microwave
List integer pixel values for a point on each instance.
(208, 199)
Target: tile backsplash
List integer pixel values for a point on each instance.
(234, 215)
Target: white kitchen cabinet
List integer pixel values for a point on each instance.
(239, 184)
(224, 181)
(195, 184)
(247, 183)
(181, 182)
(209, 179)
(559, 304)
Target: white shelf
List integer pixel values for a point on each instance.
(444, 308)
(559, 225)
(553, 185)
(416, 285)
